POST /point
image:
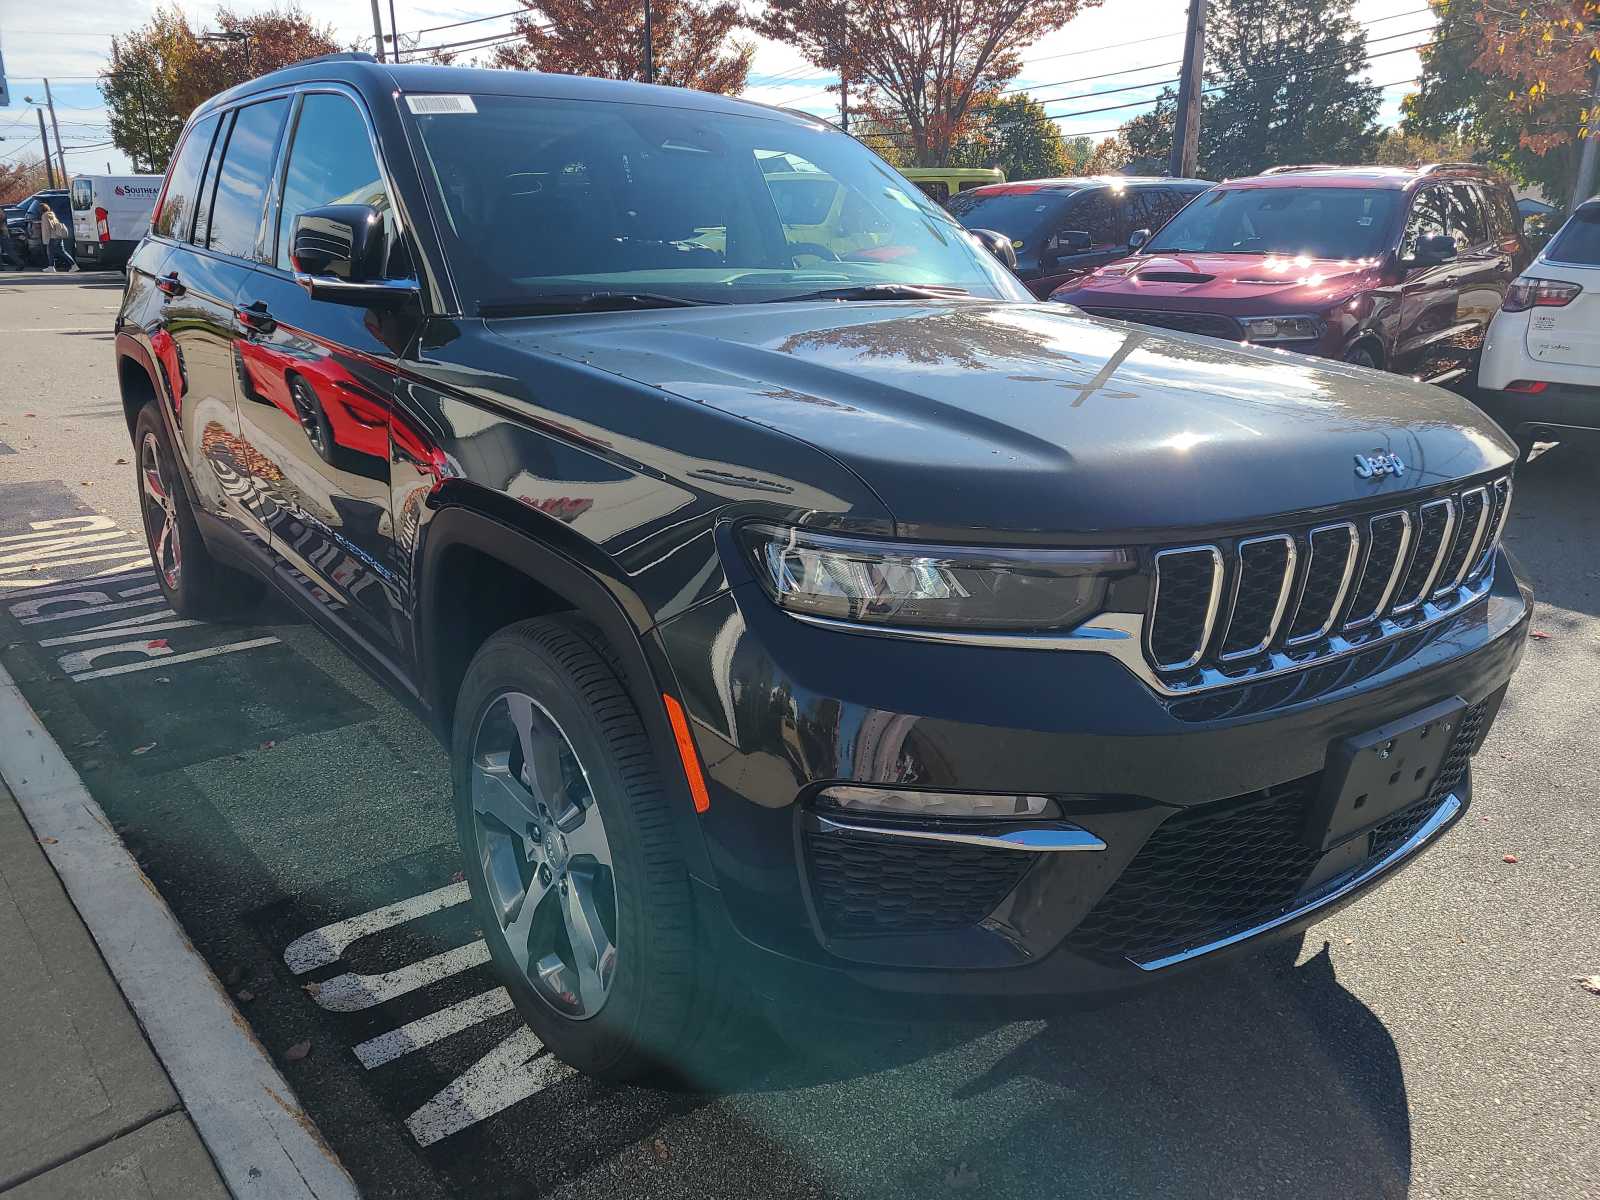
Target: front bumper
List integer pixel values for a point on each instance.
(781, 709)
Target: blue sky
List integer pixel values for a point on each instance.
(1129, 44)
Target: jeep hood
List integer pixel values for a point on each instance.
(1249, 284)
(1033, 421)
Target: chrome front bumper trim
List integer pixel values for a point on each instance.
(1052, 837)
(1335, 889)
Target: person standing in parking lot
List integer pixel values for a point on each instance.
(55, 235)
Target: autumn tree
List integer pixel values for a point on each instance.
(691, 41)
(1015, 134)
(20, 180)
(1515, 81)
(161, 71)
(1397, 148)
(923, 65)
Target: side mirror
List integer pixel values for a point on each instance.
(997, 244)
(338, 254)
(1138, 238)
(1433, 249)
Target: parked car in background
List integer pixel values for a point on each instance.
(1063, 227)
(850, 635)
(110, 213)
(30, 241)
(1391, 267)
(1540, 374)
(941, 183)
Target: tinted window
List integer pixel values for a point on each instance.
(206, 196)
(1151, 208)
(1466, 220)
(330, 162)
(1579, 239)
(183, 182)
(1095, 213)
(1430, 214)
(1022, 215)
(242, 182)
(1321, 222)
(82, 194)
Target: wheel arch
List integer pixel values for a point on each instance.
(136, 378)
(519, 574)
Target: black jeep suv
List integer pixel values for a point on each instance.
(805, 617)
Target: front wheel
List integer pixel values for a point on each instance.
(1361, 356)
(571, 856)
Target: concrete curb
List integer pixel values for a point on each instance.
(263, 1143)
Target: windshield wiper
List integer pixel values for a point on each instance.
(878, 291)
(572, 302)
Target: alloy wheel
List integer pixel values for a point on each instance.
(160, 514)
(541, 845)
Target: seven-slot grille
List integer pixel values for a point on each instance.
(1231, 603)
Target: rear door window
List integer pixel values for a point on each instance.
(183, 184)
(1095, 212)
(242, 182)
(1466, 221)
(1429, 215)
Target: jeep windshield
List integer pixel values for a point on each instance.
(1318, 222)
(547, 198)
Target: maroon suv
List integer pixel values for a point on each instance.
(1391, 267)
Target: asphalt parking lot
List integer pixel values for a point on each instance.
(1431, 1041)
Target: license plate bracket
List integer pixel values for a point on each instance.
(1371, 776)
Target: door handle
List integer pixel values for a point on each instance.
(255, 318)
(169, 285)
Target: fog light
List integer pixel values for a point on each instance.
(905, 802)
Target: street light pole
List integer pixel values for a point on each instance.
(377, 31)
(1186, 129)
(44, 140)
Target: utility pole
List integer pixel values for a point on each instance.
(44, 140)
(1585, 187)
(61, 155)
(377, 31)
(394, 30)
(844, 101)
(649, 50)
(1186, 129)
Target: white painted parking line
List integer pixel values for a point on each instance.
(353, 993)
(264, 1145)
(161, 656)
(513, 1071)
(434, 1027)
(149, 623)
(59, 526)
(322, 947)
(98, 602)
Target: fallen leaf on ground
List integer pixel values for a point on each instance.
(122, 462)
(1540, 635)
(297, 1051)
(960, 1177)
(156, 644)
(47, 841)
(266, 745)
(1349, 941)
(1590, 983)
(144, 749)
(311, 989)
(457, 877)
(663, 1152)
(30, 414)
(245, 995)
(1510, 858)
(85, 483)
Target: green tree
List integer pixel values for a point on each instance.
(1397, 148)
(1464, 95)
(1077, 151)
(1015, 134)
(161, 71)
(1285, 84)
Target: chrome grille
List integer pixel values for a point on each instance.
(1281, 600)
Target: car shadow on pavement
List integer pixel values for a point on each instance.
(103, 280)
(1262, 1077)
(1551, 530)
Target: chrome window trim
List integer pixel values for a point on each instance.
(1334, 890)
(1284, 587)
(1405, 606)
(1396, 573)
(1033, 837)
(1212, 605)
(1477, 540)
(1352, 553)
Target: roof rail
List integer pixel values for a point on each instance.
(1438, 167)
(1288, 167)
(342, 56)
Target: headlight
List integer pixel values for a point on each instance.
(1281, 329)
(928, 586)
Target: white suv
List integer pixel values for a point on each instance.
(1540, 372)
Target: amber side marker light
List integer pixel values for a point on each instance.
(686, 754)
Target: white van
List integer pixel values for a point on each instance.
(110, 215)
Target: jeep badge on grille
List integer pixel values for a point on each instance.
(1379, 463)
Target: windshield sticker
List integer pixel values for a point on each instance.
(435, 105)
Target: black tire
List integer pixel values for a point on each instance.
(1362, 356)
(663, 1001)
(201, 587)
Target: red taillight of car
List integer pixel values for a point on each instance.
(102, 224)
(1528, 387)
(1524, 294)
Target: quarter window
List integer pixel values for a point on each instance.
(331, 162)
(1095, 213)
(242, 182)
(183, 183)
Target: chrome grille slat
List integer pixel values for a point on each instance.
(1279, 601)
(1428, 557)
(1313, 616)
